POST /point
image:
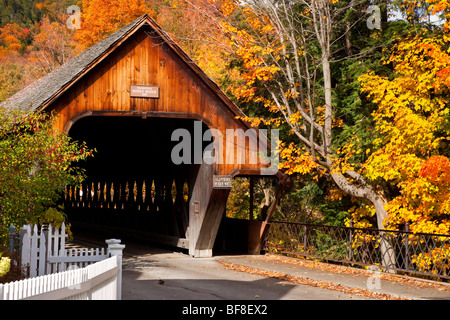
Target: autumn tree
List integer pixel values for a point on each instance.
(287, 49)
(191, 24)
(36, 165)
(21, 12)
(289, 54)
(12, 40)
(414, 122)
(53, 43)
(35, 41)
(100, 18)
(14, 76)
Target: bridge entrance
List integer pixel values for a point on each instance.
(133, 188)
(125, 96)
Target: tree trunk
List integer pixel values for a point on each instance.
(386, 247)
(379, 201)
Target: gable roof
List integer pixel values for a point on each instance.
(42, 92)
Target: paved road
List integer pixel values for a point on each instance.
(155, 274)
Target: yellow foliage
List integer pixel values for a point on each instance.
(412, 108)
(295, 160)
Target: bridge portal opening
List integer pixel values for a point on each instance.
(133, 188)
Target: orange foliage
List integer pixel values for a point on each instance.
(100, 18)
(191, 25)
(10, 36)
(438, 6)
(253, 53)
(436, 169)
(53, 42)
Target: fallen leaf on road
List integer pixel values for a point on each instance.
(310, 282)
(354, 271)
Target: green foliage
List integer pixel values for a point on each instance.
(27, 12)
(22, 12)
(238, 203)
(36, 164)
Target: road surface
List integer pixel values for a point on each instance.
(157, 274)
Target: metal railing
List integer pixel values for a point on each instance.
(412, 253)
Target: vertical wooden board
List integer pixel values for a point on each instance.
(118, 80)
(145, 75)
(55, 241)
(42, 254)
(154, 63)
(148, 74)
(171, 87)
(187, 103)
(97, 92)
(113, 84)
(82, 103)
(219, 136)
(74, 97)
(49, 245)
(175, 96)
(123, 80)
(137, 79)
(65, 113)
(184, 89)
(144, 62)
(194, 102)
(34, 252)
(203, 100)
(166, 81)
(201, 195)
(106, 101)
(26, 246)
(229, 146)
(89, 94)
(129, 78)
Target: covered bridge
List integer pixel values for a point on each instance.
(151, 113)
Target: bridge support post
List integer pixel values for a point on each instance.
(206, 209)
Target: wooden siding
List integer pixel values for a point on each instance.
(142, 60)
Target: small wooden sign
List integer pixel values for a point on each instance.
(196, 207)
(137, 91)
(222, 182)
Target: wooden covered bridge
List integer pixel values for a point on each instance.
(148, 110)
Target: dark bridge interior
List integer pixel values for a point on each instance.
(133, 188)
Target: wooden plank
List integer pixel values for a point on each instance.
(42, 253)
(26, 246)
(83, 257)
(34, 252)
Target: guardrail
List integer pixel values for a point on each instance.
(412, 253)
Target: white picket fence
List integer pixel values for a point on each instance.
(58, 273)
(45, 252)
(98, 281)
